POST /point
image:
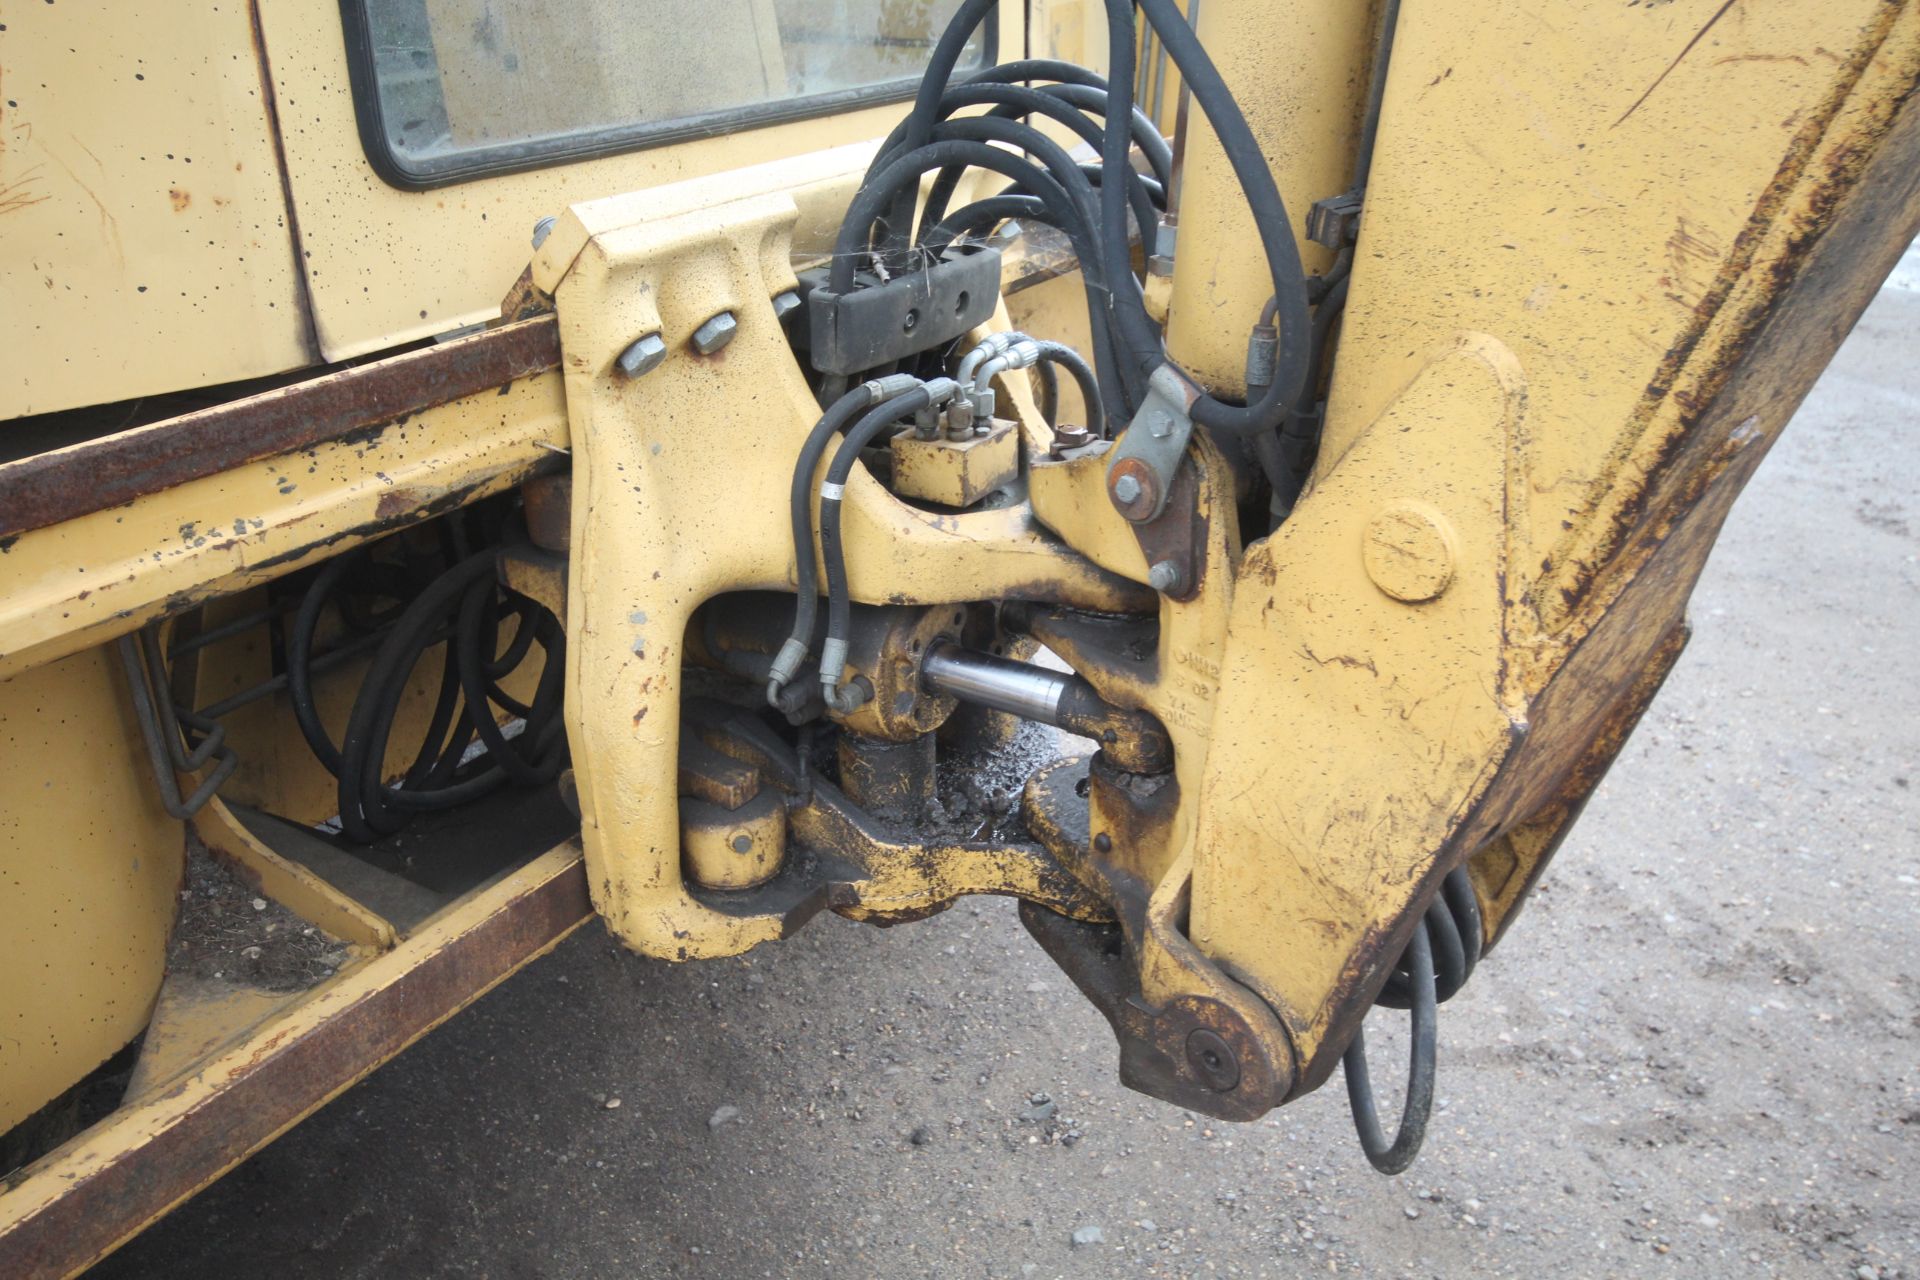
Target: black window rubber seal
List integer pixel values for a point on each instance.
(588, 144)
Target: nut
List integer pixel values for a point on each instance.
(643, 355)
(715, 333)
(1165, 577)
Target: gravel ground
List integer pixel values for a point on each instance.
(1694, 1056)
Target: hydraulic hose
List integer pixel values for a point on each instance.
(800, 514)
(1052, 353)
(1439, 958)
(1394, 1157)
(833, 650)
(1263, 199)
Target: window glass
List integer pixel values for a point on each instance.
(462, 86)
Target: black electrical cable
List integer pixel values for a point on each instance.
(1394, 1157)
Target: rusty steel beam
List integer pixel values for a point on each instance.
(66, 483)
(72, 1208)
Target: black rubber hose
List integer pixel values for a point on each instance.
(1065, 213)
(878, 419)
(1300, 435)
(1013, 102)
(1052, 353)
(980, 218)
(920, 121)
(306, 620)
(368, 808)
(530, 759)
(1454, 925)
(1394, 1157)
(806, 607)
(1263, 199)
(1159, 155)
(1049, 393)
(903, 173)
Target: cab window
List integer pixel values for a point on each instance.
(449, 89)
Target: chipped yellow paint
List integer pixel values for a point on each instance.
(144, 244)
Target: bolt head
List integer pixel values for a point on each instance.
(643, 355)
(715, 333)
(1165, 577)
(1126, 489)
(1212, 1059)
(542, 229)
(785, 304)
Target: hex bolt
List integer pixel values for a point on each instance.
(1165, 576)
(642, 356)
(785, 304)
(1126, 489)
(542, 229)
(715, 333)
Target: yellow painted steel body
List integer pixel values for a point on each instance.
(1577, 319)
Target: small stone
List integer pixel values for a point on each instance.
(722, 1115)
(259, 904)
(612, 1104)
(1039, 1113)
(1411, 1212)
(1867, 1273)
(251, 953)
(1708, 1220)
(1083, 1237)
(920, 1136)
(1035, 988)
(1147, 1224)
(1028, 1268)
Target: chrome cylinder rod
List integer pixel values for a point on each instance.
(1019, 688)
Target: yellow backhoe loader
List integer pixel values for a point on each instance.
(469, 466)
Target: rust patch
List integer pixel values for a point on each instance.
(179, 199)
(398, 502)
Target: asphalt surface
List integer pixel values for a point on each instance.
(1697, 1053)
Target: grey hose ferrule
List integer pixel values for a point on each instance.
(885, 388)
(785, 663)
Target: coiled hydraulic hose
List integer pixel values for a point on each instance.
(1439, 958)
(463, 607)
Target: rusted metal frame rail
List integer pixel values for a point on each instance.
(77, 1204)
(65, 484)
